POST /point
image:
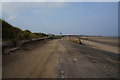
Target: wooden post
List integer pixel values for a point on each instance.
(80, 42)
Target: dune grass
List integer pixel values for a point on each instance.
(12, 33)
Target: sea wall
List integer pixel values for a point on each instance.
(19, 43)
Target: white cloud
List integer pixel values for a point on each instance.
(59, 0)
(52, 5)
(16, 8)
(11, 18)
(11, 8)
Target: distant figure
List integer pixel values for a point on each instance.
(80, 42)
(60, 33)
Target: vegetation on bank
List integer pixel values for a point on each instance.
(11, 33)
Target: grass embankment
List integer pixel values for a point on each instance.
(12, 33)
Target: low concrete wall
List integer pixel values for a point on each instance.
(13, 44)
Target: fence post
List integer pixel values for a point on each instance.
(80, 41)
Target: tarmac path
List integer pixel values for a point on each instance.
(58, 59)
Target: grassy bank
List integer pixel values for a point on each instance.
(12, 33)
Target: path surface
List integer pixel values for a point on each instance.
(58, 59)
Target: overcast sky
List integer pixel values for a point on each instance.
(81, 18)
